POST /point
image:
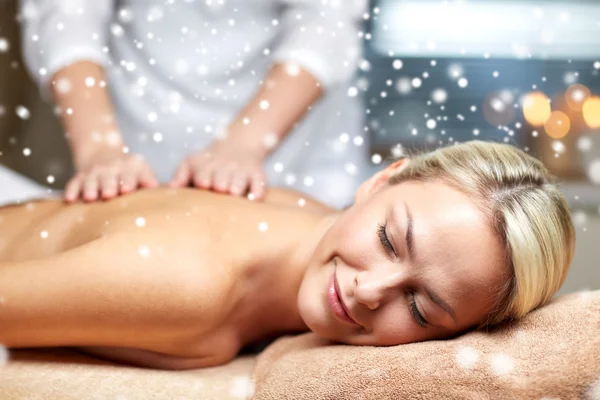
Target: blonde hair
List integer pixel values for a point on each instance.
(525, 208)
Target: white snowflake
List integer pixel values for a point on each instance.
(144, 251)
(558, 146)
(403, 86)
(584, 143)
(155, 13)
(501, 364)
(292, 69)
(278, 167)
(570, 78)
(350, 168)
(44, 234)
(579, 218)
(270, 140)
(4, 46)
(439, 96)
(463, 82)
(242, 387)
(398, 151)
(140, 222)
(63, 85)
(263, 227)
(22, 112)
(594, 171)
(455, 71)
(290, 179)
(466, 357)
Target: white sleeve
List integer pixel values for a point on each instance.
(56, 33)
(322, 36)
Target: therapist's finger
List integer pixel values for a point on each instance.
(222, 179)
(203, 175)
(73, 188)
(128, 182)
(91, 185)
(109, 185)
(258, 185)
(182, 176)
(239, 183)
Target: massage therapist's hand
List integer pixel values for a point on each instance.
(226, 167)
(108, 174)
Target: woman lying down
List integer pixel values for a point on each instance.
(464, 237)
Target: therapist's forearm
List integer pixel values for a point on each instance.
(86, 111)
(282, 100)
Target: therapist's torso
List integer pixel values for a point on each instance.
(179, 71)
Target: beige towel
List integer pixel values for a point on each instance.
(63, 374)
(553, 353)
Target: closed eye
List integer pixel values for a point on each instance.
(383, 238)
(412, 305)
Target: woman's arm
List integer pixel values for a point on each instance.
(107, 293)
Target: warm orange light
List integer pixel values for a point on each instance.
(536, 108)
(557, 125)
(591, 112)
(576, 95)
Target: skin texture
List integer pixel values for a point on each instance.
(190, 284)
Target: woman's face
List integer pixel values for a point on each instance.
(412, 262)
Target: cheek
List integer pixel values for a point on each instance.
(354, 236)
(394, 326)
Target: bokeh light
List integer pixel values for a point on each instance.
(498, 108)
(557, 125)
(591, 112)
(536, 108)
(576, 95)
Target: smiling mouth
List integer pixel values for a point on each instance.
(337, 292)
(335, 301)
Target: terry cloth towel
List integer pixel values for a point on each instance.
(553, 353)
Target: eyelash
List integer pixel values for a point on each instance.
(384, 239)
(415, 311)
(411, 301)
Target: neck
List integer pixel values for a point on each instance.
(267, 305)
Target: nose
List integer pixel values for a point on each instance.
(374, 287)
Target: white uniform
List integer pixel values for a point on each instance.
(180, 70)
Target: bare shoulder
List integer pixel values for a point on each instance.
(293, 198)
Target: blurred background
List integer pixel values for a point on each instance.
(434, 72)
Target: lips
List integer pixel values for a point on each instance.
(336, 302)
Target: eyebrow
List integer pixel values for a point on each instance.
(410, 245)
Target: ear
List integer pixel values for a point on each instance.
(379, 180)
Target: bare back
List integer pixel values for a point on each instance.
(175, 256)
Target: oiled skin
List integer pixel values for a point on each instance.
(150, 279)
